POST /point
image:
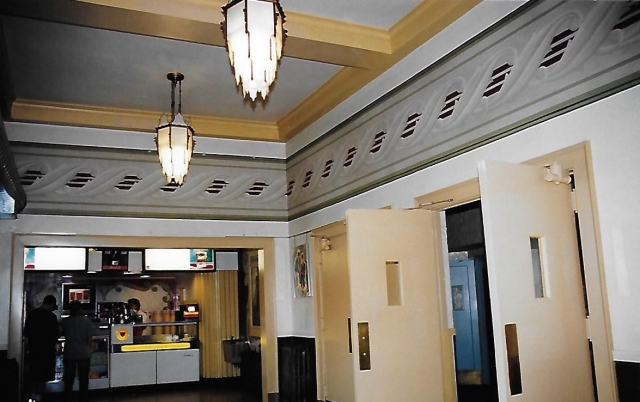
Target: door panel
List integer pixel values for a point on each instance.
(335, 312)
(395, 288)
(553, 353)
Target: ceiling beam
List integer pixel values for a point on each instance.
(137, 120)
(364, 52)
(308, 37)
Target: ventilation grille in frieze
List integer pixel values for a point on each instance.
(128, 182)
(497, 79)
(170, 187)
(30, 176)
(351, 153)
(630, 17)
(411, 125)
(290, 188)
(558, 46)
(307, 179)
(81, 180)
(377, 141)
(449, 104)
(327, 168)
(257, 188)
(216, 186)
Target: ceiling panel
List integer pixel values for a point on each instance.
(377, 13)
(103, 63)
(55, 62)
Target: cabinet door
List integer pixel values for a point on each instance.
(178, 366)
(134, 368)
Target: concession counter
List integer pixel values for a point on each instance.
(168, 357)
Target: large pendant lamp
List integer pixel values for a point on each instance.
(254, 35)
(174, 138)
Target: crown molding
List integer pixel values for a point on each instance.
(136, 120)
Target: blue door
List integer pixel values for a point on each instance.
(465, 319)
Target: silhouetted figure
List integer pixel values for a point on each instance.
(41, 333)
(78, 332)
(136, 316)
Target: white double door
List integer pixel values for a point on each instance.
(382, 304)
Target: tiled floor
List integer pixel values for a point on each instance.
(203, 392)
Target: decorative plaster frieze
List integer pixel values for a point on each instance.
(546, 59)
(76, 181)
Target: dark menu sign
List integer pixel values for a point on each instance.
(115, 260)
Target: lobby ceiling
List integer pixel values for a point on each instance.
(103, 63)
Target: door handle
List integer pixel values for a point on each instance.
(349, 332)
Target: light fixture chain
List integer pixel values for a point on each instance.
(173, 99)
(180, 97)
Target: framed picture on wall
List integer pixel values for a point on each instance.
(302, 286)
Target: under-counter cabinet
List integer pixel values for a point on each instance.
(178, 366)
(155, 367)
(135, 368)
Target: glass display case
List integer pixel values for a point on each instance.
(99, 366)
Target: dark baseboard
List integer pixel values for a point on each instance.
(297, 369)
(276, 398)
(628, 378)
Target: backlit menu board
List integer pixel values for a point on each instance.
(174, 259)
(55, 258)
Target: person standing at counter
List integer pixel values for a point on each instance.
(140, 316)
(78, 332)
(41, 333)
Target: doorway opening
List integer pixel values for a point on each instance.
(471, 305)
(226, 296)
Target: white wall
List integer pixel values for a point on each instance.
(612, 126)
(295, 316)
(284, 291)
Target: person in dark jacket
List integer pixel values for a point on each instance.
(41, 335)
(77, 331)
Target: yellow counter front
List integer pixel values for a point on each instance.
(155, 346)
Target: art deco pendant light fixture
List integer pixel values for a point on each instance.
(254, 34)
(174, 138)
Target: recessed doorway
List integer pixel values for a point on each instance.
(470, 304)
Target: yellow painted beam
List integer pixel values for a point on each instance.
(196, 21)
(137, 120)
